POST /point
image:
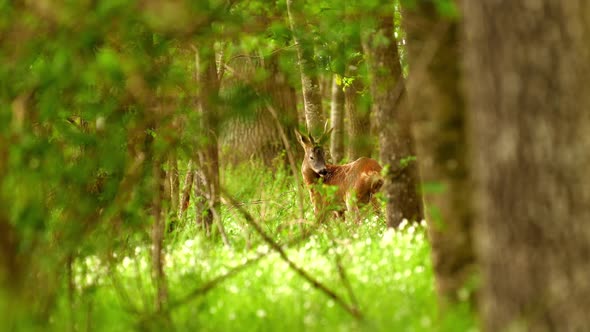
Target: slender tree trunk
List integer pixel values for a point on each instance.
(312, 98)
(158, 235)
(529, 101)
(283, 97)
(208, 156)
(200, 199)
(174, 183)
(186, 189)
(437, 106)
(337, 121)
(10, 265)
(393, 123)
(358, 111)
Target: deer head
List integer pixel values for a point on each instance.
(314, 150)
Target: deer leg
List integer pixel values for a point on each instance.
(352, 208)
(376, 206)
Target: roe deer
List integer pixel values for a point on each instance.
(356, 182)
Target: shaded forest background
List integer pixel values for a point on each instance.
(160, 135)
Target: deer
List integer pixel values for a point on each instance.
(356, 182)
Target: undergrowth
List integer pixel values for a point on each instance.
(385, 273)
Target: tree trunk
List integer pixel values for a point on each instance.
(158, 226)
(312, 98)
(186, 189)
(358, 111)
(337, 121)
(283, 97)
(393, 123)
(527, 70)
(250, 133)
(174, 183)
(208, 156)
(437, 105)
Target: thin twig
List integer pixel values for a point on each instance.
(342, 272)
(284, 140)
(280, 49)
(290, 156)
(353, 310)
(211, 284)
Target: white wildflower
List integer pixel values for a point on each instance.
(127, 262)
(387, 238)
(262, 249)
(403, 224)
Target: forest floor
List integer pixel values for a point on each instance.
(382, 274)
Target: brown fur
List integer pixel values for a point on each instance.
(361, 178)
(357, 181)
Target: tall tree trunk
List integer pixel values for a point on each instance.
(527, 69)
(208, 156)
(10, 264)
(312, 98)
(158, 212)
(393, 122)
(256, 135)
(283, 97)
(186, 189)
(337, 121)
(174, 183)
(358, 111)
(437, 106)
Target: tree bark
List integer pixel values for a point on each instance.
(527, 69)
(186, 189)
(158, 212)
(208, 155)
(393, 123)
(358, 112)
(312, 98)
(283, 97)
(174, 183)
(438, 110)
(337, 121)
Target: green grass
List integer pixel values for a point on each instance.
(389, 272)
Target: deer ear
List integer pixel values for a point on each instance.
(303, 140)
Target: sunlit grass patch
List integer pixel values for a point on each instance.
(388, 272)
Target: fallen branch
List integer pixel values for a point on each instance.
(352, 309)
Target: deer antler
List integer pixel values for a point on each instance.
(326, 133)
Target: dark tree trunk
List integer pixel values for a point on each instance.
(312, 98)
(437, 107)
(186, 189)
(358, 113)
(393, 123)
(208, 155)
(337, 122)
(527, 69)
(158, 212)
(283, 97)
(174, 184)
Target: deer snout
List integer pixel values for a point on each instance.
(323, 172)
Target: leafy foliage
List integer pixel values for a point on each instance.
(94, 95)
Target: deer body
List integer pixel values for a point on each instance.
(356, 182)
